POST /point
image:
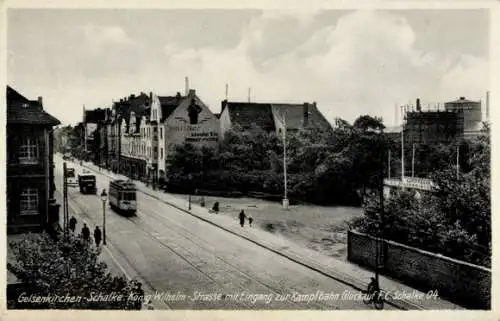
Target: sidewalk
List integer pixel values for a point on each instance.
(117, 266)
(342, 271)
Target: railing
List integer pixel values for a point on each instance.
(411, 182)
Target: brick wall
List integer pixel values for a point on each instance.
(461, 282)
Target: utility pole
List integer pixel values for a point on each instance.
(458, 160)
(413, 160)
(65, 199)
(402, 146)
(379, 251)
(85, 130)
(389, 165)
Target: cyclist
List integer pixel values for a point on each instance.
(373, 287)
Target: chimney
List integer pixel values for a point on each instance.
(306, 115)
(187, 86)
(150, 98)
(462, 98)
(40, 101)
(192, 92)
(178, 95)
(419, 108)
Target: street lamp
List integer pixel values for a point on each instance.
(104, 198)
(285, 198)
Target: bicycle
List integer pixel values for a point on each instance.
(374, 297)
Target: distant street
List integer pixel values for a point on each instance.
(176, 253)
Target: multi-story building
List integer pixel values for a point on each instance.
(30, 164)
(271, 117)
(182, 119)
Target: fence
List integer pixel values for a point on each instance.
(463, 283)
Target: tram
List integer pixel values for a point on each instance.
(122, 197)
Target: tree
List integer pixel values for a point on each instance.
(454, 221)
(66, 267)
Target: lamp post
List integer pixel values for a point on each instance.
(285, 197)
(104, 198)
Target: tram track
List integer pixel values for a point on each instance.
(163, 244)
(354, 286)
(73, 203)
(161, 221)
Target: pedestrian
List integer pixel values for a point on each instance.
(72, 224)
(85, 232)
(97, 236)
(242, 218)
(215, 207)
(250, 220)
(140, 296)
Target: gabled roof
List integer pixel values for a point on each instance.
(169, 104)
(264, 114)
(21, 110)
(248, 114)
(295, 116)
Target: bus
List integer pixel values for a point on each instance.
(87, 183)
(122, 196)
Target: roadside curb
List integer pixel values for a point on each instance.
(109, 248)
(342, 278)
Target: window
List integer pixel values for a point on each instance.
(28, 152)
(161, 133)
(29, 201)
(155, 153)
(161, 153)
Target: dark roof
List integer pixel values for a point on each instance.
(295, 115)
(140, 105)
(168, 105)
(21, 110)
(261, 114)
(248, 114)
(95, 116)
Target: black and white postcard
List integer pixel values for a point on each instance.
(171, 157)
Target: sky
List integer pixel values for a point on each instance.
(350, 63)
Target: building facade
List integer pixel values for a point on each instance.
(30, 163)
(186, 119)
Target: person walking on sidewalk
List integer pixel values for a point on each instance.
(86, 233)
(72, 224)
(242, 218)
(97, 236)
(215, 208)
(250, 220)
